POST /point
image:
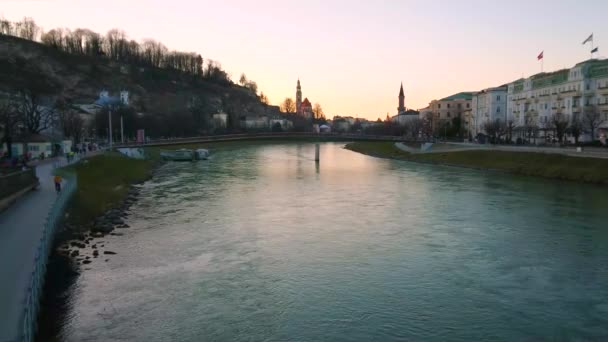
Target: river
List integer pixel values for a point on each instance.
(261, 244)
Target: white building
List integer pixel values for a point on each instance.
(574, 93)
(219, 120)
(488, 105)
(404, 117)
(124, 97)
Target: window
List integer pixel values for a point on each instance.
(459, 106)
(439, 106)
(498, 98)
(48, 147)
(546, 105)
(449, 114)
(497, 109)
(33, 148)
(448, 105)
(468, 105)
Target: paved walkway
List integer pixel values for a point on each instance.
(21, 228)
(458, 147)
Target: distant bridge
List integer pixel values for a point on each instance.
(261, 136)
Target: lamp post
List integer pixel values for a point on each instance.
(110, 127)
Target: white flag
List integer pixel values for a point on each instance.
(588, 39)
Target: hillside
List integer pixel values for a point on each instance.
(166, 98)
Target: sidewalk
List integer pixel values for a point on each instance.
(21, 228)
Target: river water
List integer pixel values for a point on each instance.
(260, 244)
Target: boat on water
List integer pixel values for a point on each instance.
(202, 154)
(184, 154)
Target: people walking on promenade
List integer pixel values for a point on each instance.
(57, 180)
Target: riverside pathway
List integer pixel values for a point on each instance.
(21, 227)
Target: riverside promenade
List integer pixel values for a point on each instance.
(21, 229)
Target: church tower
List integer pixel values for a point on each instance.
(401, 108)
(298, 98)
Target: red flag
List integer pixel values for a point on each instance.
(541, 55)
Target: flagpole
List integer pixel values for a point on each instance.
(591, 47)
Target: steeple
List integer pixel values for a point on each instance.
(298, 97)
(401, 107)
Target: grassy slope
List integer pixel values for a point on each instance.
(103, 181)
(590, 170)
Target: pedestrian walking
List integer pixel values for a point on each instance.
(57, 180)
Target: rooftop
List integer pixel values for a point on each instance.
(465, 95)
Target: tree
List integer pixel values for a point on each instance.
(509, 128)
(264, 98)
(288, 105)
(530, 127)
(251, 85)
(427, 127)
(592, 120)
(9, 121)
(415, 127)
(576, 128)
(27, 29)
(559, 123)
(33, 90)
(317, 111)
(495, 129)
(70, 121)
(243, 79)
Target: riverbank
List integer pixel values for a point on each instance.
(553, 166)
(103, 182)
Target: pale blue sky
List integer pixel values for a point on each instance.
(352, 55)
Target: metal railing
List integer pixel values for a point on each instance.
(243, 136)
(29, 316)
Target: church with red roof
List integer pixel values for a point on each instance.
(303, 108)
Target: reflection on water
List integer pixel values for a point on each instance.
(259, 243)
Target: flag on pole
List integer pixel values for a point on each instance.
(589, 39)
(541, 55)
(594, 50)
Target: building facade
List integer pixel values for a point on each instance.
(298, 98)
(442, 112)
(486, 106)
(401, 107)
(574, 93)
(403, 114)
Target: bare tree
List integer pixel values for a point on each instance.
(243, 79)
(264, 98)
(592, 120)
(495, 129)
(576, 128)
(427, 127)
(415, 127)
(317, 111)
(70, 121)
(9, 121)
(559, 123)
(288, 105)
(251, 85)
(509, 128)
(530, 127)
(6, 27)
(27, 29)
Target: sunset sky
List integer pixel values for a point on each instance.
(351, 55)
